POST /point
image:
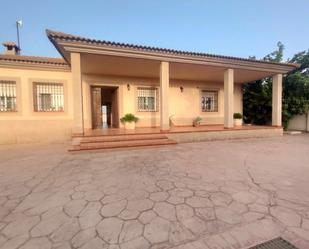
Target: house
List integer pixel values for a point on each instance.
(95, 82)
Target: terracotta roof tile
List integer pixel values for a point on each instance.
(9, 43)
(54, 35)
(33, 59)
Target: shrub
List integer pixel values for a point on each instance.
(237, 115)
(129, 117)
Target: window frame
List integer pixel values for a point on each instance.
(35, 82)
(17, 96)
(216, 109)
(156, 99)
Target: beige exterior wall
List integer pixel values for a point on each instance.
(26, 125)
(183, 106)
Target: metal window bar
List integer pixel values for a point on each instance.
(209, 101)
(147, 99)
(8, 96)
(48, 97)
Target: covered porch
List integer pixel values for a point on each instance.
(180, 78)
(179, 88)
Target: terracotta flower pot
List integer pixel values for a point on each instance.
(129, 125)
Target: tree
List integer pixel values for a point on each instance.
(296, 89)
(302, 58)
(258, 95)
(277, 55)
(257, 102)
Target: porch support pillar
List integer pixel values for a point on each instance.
(164, 92)
(228, 98)
(78, 126)
(277, 100)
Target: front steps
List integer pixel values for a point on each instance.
(102, 142)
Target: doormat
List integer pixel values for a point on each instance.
(277, 243)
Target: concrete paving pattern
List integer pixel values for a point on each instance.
(222, 194)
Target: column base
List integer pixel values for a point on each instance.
(165, 127)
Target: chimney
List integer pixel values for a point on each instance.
(11, 48)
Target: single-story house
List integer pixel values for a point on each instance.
(96, 82)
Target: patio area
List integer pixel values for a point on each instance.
(208, 195)
(117, 138)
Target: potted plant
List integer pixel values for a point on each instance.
(129, 121)
(237, 119)
(197, 121)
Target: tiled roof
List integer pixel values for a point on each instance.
(33, 59)
(9, 43)
(54, 35)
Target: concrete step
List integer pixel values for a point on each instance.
(121, 144)
(121, 138)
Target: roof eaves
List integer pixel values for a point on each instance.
(54, 35)
(34, 60)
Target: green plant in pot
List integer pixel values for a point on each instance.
(129, 121)
(197, 121)
(237, 119)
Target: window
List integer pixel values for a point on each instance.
(7, 96)
(209, 101)
(48, 97)
(147, 99)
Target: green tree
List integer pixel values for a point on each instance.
(258, 95)
(277, 55)
(296, 89)
(257, 102)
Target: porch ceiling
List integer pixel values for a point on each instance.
(134, 67)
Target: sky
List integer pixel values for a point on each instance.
(239, 28)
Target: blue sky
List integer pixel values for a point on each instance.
(230, 27)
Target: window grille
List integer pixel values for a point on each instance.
(209, 101)
(7, 96)
(48, 97)
(147, 99)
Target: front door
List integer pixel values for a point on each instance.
(96, 100)
(104, 106)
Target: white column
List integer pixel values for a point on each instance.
(164, 91)
(78, 126)
(277, 100)
(228, 98)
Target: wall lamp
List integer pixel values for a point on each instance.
(128, 87)
(181, 89)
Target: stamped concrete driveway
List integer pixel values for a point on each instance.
(224, 194)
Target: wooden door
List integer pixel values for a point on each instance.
(96, 100)
(115, 116)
